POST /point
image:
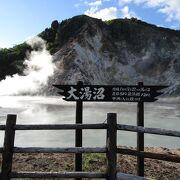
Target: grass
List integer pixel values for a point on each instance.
(92, 161)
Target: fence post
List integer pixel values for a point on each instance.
(140, 136)
(7, 154)
(111, 143)
(78, 136)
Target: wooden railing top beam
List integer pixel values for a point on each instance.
(56, 126)
(60, 150)
(156, 131)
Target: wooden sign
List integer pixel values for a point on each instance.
(105, 93)
(109, 93)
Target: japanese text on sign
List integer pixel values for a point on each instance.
(86, 93)
(110, 93)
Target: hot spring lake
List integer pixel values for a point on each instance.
(164, 113)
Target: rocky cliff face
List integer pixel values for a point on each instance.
(121, 51)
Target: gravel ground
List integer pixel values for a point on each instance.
(154, 169)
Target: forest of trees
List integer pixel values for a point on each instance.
(12, 59)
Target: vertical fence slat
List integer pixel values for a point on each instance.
(140, 136)
(111, 146)
(7, 154)
(78, 135)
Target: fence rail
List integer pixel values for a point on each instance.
(157, 131)
(158, 156)
(60, 150)
(111, 149)
(57, 175)
(119, 175)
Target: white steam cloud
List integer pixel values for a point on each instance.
(39, 68)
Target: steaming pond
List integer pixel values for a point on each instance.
(165, 113)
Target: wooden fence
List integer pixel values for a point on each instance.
(111, 149)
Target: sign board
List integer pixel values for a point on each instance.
(109, 93)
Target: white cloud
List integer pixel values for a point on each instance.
(95, 3)
(108, 13)
(127, 13)
(122, 2)
(104, 14)
(94, 6)
(76, 5)
(91, 11)
(171, 8)
(152, 3)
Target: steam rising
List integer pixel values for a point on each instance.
(39, 68)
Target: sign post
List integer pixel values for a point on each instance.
(140, 136)
(78, 133)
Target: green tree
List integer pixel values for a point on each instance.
(55, 25)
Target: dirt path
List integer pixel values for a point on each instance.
(154, 169)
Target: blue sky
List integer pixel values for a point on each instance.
(21, 19)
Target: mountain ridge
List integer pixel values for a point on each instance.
(119, 51)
